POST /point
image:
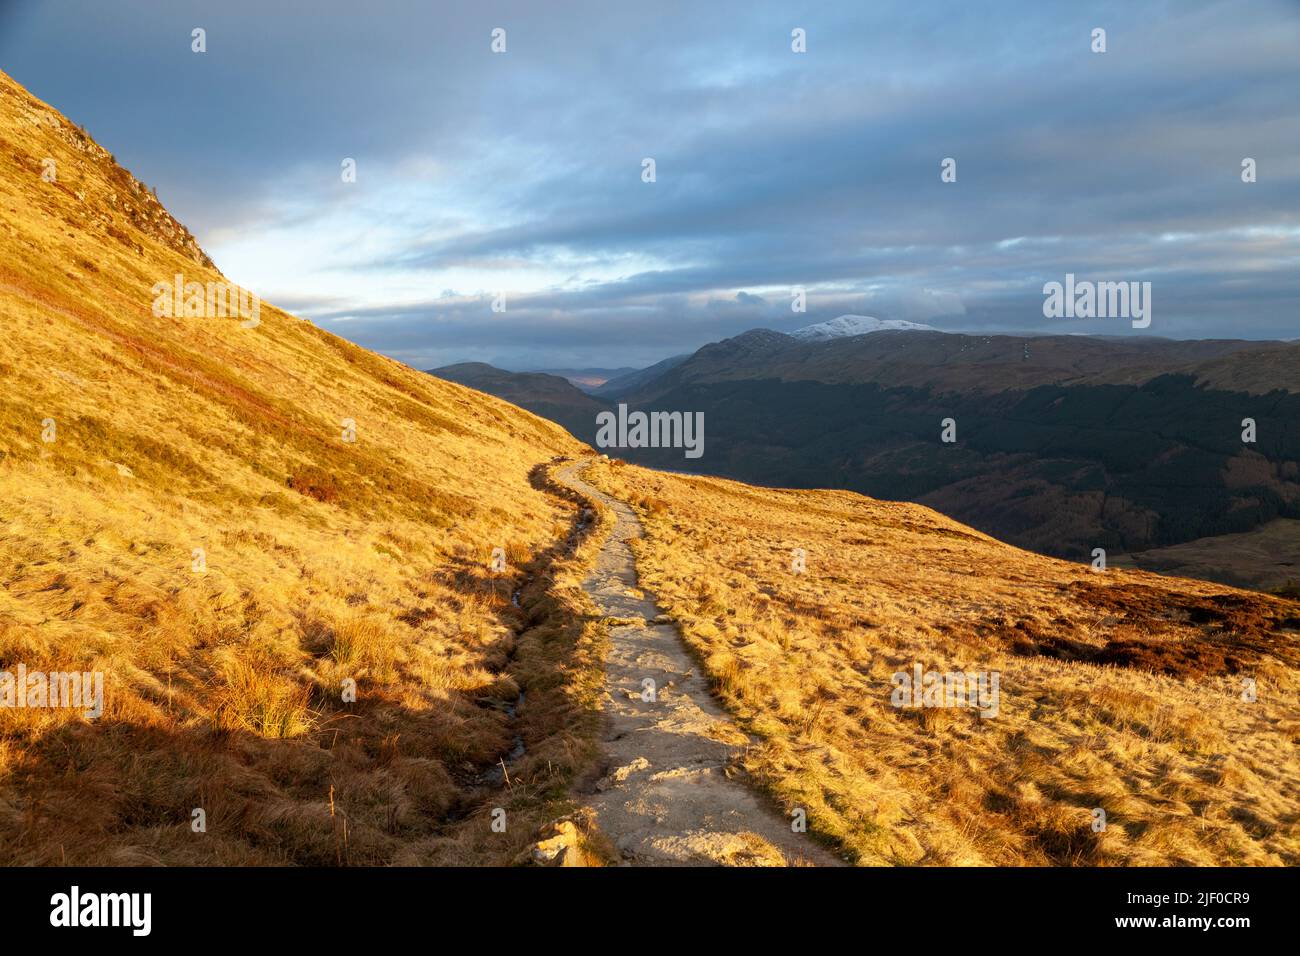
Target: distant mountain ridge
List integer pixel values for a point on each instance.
(846, 326)
(987, 364)
(550, 396)
(633, 380)
(1064, 443)
(586, 379)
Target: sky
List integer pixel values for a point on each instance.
(517, 176)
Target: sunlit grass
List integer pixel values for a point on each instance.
(1185, 769)
(198, 529)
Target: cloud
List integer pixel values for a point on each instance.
(481, 173)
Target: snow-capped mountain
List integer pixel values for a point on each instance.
(847, 325)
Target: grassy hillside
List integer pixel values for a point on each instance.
(129, 442)
(949, 363)
(1267, 558)
(554, 398)
(1119, 690)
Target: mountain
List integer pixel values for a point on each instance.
(751, 349)
(229, 522)
(1266, 557)
(634, 380)
(983, 364)
(542, 394)
(845, 326)
(1064, 443)
(588, 379)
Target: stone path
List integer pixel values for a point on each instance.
(667, 799)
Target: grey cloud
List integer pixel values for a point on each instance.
(774, 169)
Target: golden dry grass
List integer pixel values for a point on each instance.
(326, 561)
(1118, 690)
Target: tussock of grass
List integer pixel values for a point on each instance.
(255, 697)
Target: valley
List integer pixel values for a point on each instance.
(1064, 444)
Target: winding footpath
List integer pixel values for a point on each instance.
(670, 795)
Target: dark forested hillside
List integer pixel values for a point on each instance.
(1063, 444)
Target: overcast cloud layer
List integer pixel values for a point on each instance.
(480, 172)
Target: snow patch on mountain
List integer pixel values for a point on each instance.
(847, 325)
